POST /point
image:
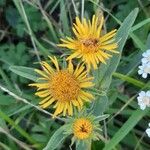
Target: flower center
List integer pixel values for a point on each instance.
(90, 45)
(82, 128)
(64, 86)
(146, 100)
(147, 69)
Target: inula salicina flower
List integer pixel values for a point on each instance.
(144, 69)
(89, 43)
(144, 99)
(83, 127)
(65, 88)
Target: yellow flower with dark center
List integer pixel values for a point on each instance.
(89, 43)
(64, 88)
(82, 128)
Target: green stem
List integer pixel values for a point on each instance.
(129, 79)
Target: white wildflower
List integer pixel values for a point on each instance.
(146, 57)
(144, 70)
(144, 99)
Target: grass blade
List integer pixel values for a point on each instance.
(125, 129)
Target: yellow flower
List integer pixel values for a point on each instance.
(89, 43)
(82, 128)
(64, 88)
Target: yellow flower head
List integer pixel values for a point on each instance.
(64, 88)
(82, 128)
(89, 44)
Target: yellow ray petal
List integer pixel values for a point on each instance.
(80, 28)
(100, 27)
(47, 67)
(80, 102)
(82, 76)
(54, 60)
(75, 102)
(109, 46)
(99, 56)
(86, 84)
(108, 36)
(48, 103)
(104, 54)
(87, 94)
(65, 109)
(41, 73)
(79, 70)
(74, 55)
(58, 110)
(44, 93)
(70, 110)
(87, 79)
(45, 100)
(70, 67)
(40, 85)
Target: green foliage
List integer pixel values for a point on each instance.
(25, 72)
(17, 23)
(14, 55)
(102, 102)
(56, 138)
(23, 44)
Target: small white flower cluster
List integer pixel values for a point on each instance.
(144, 69)
(148, 130)
(144, 99)
(143, 102)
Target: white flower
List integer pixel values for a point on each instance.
(144, 70)
(148, 130)
(146, 57)
(144, 99)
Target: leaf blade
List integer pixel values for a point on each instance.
(25, 72)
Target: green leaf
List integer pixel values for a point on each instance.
(105, 76)
(64, 18)
(25, 72)
(139, 25)
(12, 16)
(101, 117)
(100, 105)
(6, 100)
(83, 145)
(148, 42)
(56, 139)
(122, 35)
(125, 129)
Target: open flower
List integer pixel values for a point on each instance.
(89, 43)
(144, 70)
(84, 127)
(144, 99)
(148, 130)
(146, 57)
(64, 88)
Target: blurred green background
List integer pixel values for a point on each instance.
(29, 32)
